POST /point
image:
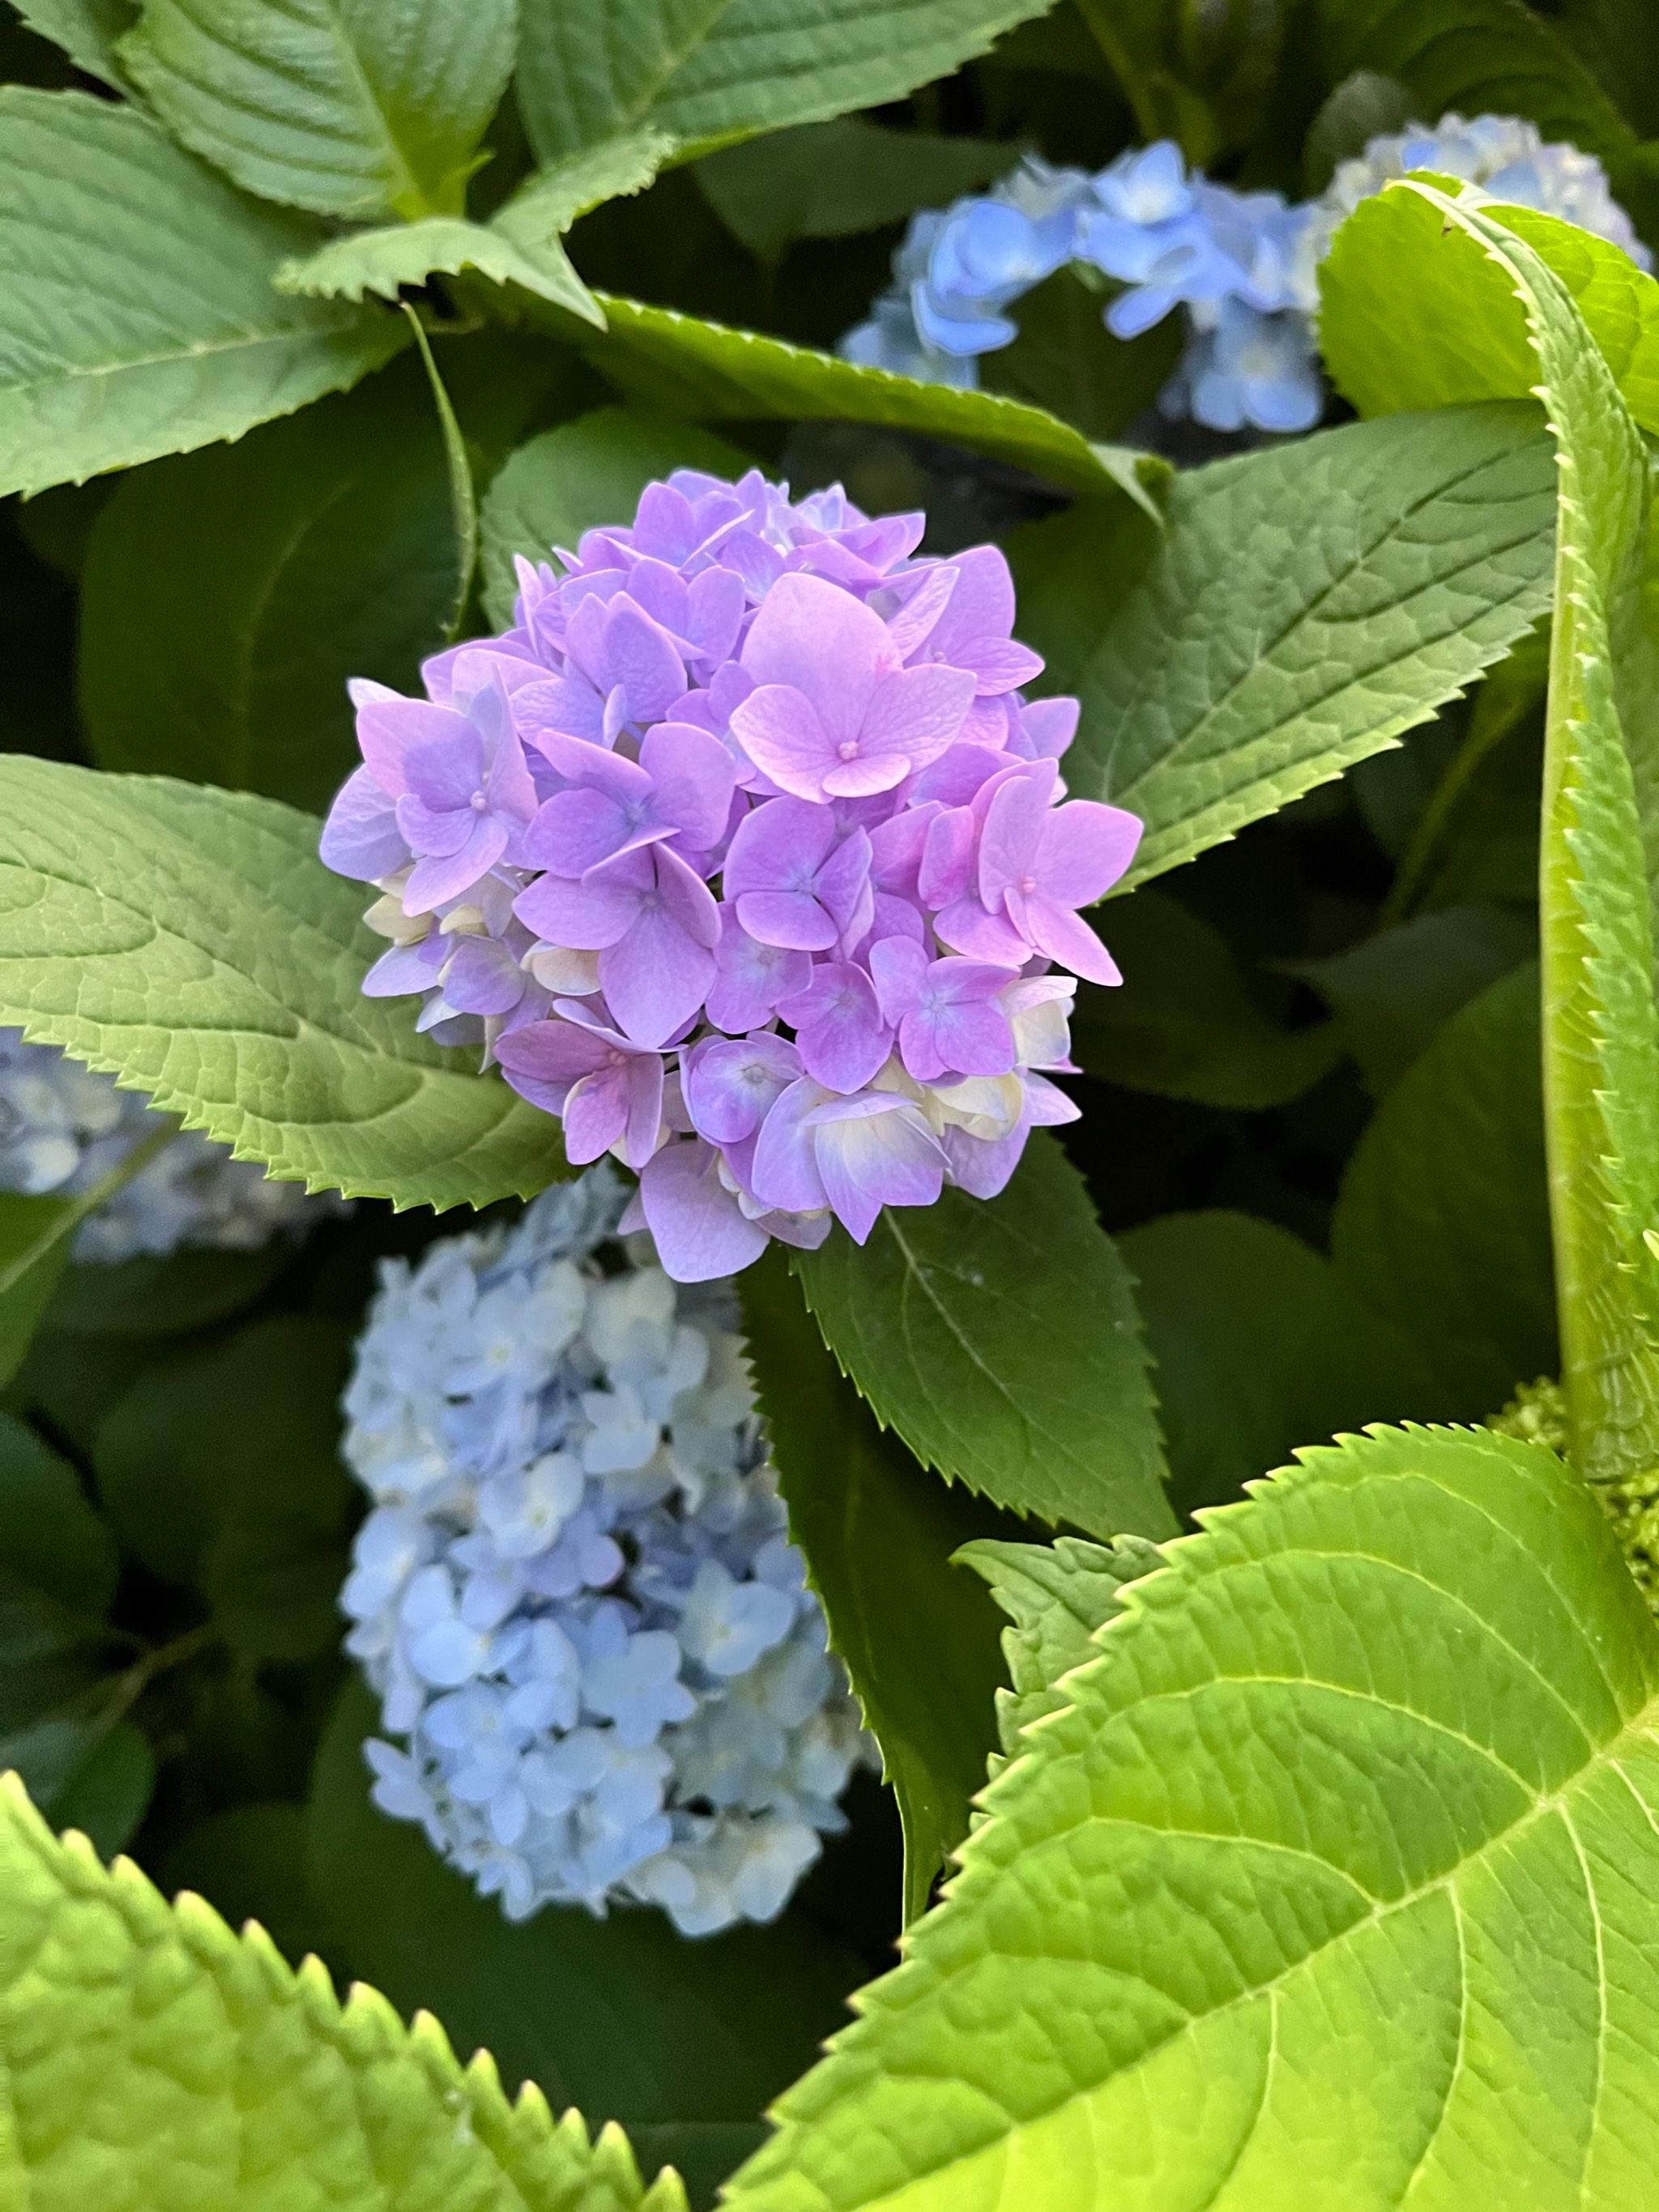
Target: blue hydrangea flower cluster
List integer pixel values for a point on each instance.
(575, 1594)
(1241, 265)
(63, 1129)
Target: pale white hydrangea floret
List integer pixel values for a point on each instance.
(63, 1129)
(574, 1593)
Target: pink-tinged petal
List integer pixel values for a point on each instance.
(642, 656)
(948, 857)
(447, 773)
(757, 564)
(586, 916)
(730, 1085)
(445, 876)
(963, 1036)
(897, 965)
(686, 896)
(361, 836)
(991, 725)
(805, 1231)
(1050, 726)
(656, 977)
(863, 777)
(694, 776)
(1063, 937)
(664, 524)
(967, 928)
(1013, 824)
(784, 1172)
(390, 728)
(751, 976)
(1047, 1104)
(792, 919)
(981, 607)
(645, 1132)
(779, 730)
(839, 1029)
(582, 761)
(661, 591)
(891, 917)
(779, 846)
(575, 831)
(1000, 664)
(872, 1152)
(557, 1051)
(700, 1231)
(896, 848)
(1083, 847)
(916, 618)
(595, 1113)
(916, 711)
(843, 883)
(567, 705)
(984, 1166)
(822, 642)
(958, 775)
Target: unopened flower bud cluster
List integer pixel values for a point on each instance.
(576, 1593)
(1242, 265)
(63, 1129)
(746, 856)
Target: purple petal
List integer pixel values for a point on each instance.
(948, 856)
(779, 846)
(446, 774)
(791, 920)
(843, 884)
(433, 882)
(700, 1231)
(656, 977)
(567, 705)
(1013, 824)
(784, 1171)
(429, 829)
(916, 711)
(1062, 937)
(361, 836)
(781, 730)
(1001, 665)
(919, 614)
(730, 1085)
(822, 642)
(687, 897)
(640, 656)
(596, 1114)
(718, 600)
(963, 1037)
(586, 916)
(838, 1027)
(751, 976)
(875, 1151)
(983, 1166)
(897, 965)
(482, 977)
(1083, 847)
(966, 927)
(407, 968)
(390, 728)
(1050, 726)
(575, 831)
(694, 776)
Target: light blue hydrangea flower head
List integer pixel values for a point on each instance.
(574, 1593)
(63, 1129)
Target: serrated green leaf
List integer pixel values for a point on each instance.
(1055, 1595)
(706, 71)
(836, 179)
(155, 2059)
(229, 594)
(578, 476)
(1331, 1886)
(1442, 1225)
(1256, 1341)
(551, 198)
(1311, 603)
(678, 365)
(190, 943)
(87, 30)
(383, 261)
(621, 2016)
(137, 317)
(1000, 1337)
(918, 1635)
(1455, 331)
(350, 107)
(1183, 1023)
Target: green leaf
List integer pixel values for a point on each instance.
(1618, 40)
(578, 476)
(1365, 106)
(171, 1296)
(1202, 74)
(249, 1861)
(49, 1534)
(1257, 1341)
(152, 2054)
(918, 1635)
(109, 1792)
(1064, 358)
(1311, 603)
(835, 179)
(1056, 1595)
(1183, 1023)
(621, 2014)
(1456, 331)
(87, 30)
(229, 594)
(34, 1248)
(190, 943)
(1331, 1885)
(383, 261)
(678, 364)
(1392, 992)
(1443, 1226)
(351, 107)
(1000, 1339)
(723, 69)
(188, 343)
(1071, 572)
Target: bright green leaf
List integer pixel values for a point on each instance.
(1257, 1343)
(681, 365)
(190, 943)
(383, 261)
(137, 316)
(705, 71)
(87, 30)
(835, 179)
(621, 2014)
(550, 199)
(1415, 317)
(229, 594)
(1183, 1023)
(352, 107)
(1443, 1226)
(578, 476)
(1331, 1886)
(1309, 604)
(1000, 1337)
(918, 1635)
(155, 2059)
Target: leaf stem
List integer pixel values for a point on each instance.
(75, 1209)
(463, 496)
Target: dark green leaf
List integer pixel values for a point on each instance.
(1365, 106)
(835, 179)
(147, 1296)
(49, 1534)
(249, 1861)
(918, 1634)
(87, 30)
(1072, 573)
(34, 1248)
(1000, 1337)
(1065, 359)
(109, 1792)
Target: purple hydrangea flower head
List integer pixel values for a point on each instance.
(744, 855)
